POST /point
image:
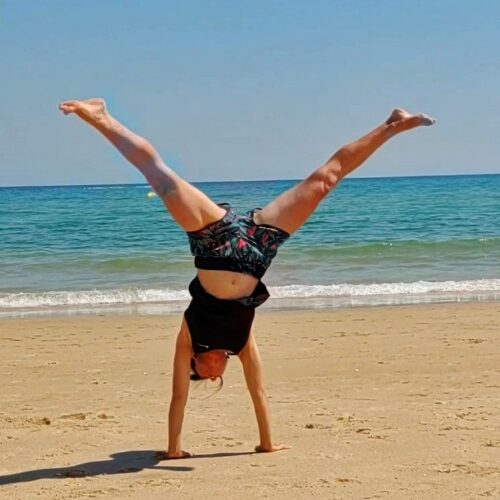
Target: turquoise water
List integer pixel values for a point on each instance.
(385, 240)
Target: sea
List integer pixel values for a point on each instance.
(105, 249)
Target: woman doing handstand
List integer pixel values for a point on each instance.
(232, 252)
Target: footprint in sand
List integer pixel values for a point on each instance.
(104, 416)
(472, 468)
(492, 444)
(74, 416)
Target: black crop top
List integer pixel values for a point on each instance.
(218, 323)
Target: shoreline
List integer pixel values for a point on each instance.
(398, 402)
(274, 304)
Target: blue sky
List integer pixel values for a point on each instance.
(237, 90)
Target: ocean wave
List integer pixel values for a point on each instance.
(137, 296)
(411, 246)
(28, 300)
(360, 290)
(113, 186)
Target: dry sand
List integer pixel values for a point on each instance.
(397, 402)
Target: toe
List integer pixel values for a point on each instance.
(68, 107)
(427, 120)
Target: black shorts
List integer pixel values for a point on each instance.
(219, 323)
(236, 243)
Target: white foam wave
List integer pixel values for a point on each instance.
(360, 290)
(90, 298)
(359, 293)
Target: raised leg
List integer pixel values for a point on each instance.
(291, 209)
(189, 207)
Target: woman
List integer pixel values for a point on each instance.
(232, 253)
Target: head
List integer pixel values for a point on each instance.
(209, 364)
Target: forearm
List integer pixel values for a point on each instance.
(175, 420)
(262, 414)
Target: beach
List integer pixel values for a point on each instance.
(185, 151)
(380, 402)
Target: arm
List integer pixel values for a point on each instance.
(252, 368)
(180, 391)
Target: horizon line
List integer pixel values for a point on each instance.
(248, 180)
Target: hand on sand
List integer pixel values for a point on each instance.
(275, 447)
(165, 455)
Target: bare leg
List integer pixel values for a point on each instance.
(190, 208)
(291, 209)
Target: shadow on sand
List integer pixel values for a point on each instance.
(123, 462)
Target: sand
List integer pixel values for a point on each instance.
(390, 402)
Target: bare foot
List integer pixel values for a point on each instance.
(401, 118)
(90, 110)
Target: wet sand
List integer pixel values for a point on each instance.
(389, 402)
